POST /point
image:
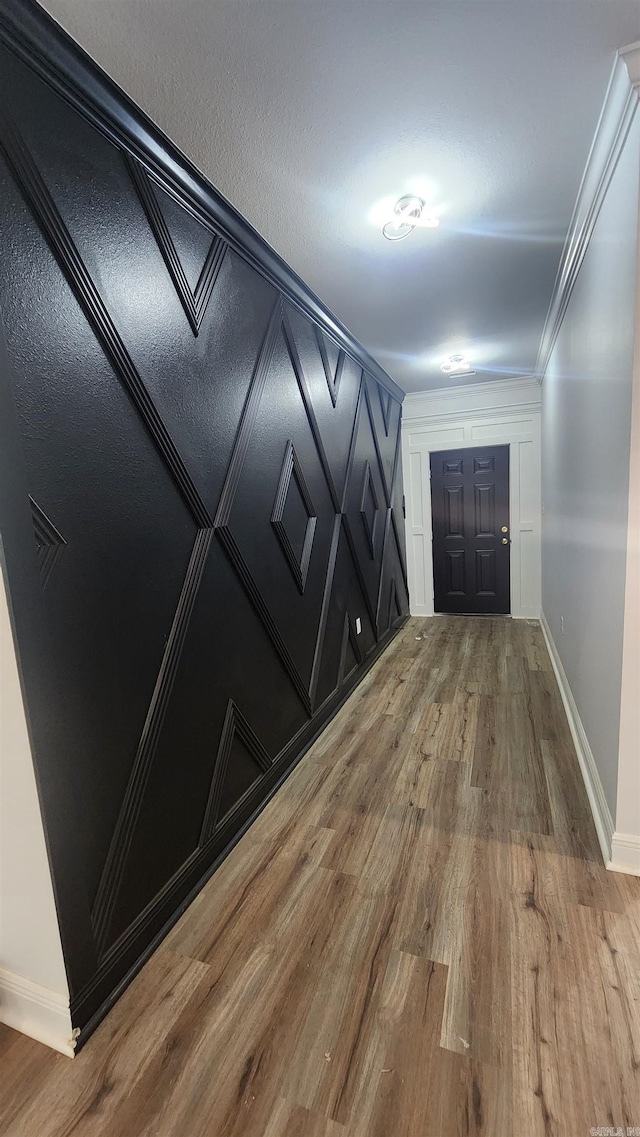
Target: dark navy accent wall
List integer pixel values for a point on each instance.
(201, 501)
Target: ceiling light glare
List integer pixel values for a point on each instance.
(458, 362)
(408, 212)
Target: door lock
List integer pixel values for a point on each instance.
(505, 540)
(505, 529)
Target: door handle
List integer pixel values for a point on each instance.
(505, 541)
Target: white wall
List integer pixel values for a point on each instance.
(486, 414)
(586, 416)
(34, 995)
(626, 839)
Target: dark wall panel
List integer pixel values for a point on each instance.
(209, 468)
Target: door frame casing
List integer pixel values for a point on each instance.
(490, 414)
(499, 488)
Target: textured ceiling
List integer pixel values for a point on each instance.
(305, 113)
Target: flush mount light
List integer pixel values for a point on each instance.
(408, 213)
(456, 364)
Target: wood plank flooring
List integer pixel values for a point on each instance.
(417, 938)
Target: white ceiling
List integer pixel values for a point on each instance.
(305, 113)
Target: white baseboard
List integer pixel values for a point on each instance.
(593, 785)
(625, 854)
(419, 610)
(37, 1011)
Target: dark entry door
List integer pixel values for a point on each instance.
(471, 534)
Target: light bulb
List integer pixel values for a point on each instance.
(457, 362)
(408, 214)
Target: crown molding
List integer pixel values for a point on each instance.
(497, 386)
(631, 56)
(617, 114)
(504, 398)
(35, 37)
(507, 413)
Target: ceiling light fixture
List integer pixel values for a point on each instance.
(408, 213)
(456, 364)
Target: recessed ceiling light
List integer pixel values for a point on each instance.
(456, 363)
(408, 213)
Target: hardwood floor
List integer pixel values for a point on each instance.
(417, 938)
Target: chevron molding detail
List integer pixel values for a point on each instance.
(348, 637)
(385, 407)
(194, 302)
(333, 377)
(369, 499)
(145, 838)
(44, 208)
(394, 607)
(115, 863)
(235, 725)
(308, 406)
(49, 542)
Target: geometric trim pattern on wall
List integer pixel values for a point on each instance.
(241, 760)
(98, 316)
(115, 864)
(235, 726)
(394, 606)
(222, 518)
(195, 301)
(280, 325)
(333, 376)
(349, 641)
(305, 395)
(385, 407)
(369, 509)
(292, 473)
(49, 542)
(388, 475)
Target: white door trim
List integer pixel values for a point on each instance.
(516, 427)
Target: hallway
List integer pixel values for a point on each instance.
(417, 938)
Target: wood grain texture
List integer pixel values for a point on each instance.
(416, 938)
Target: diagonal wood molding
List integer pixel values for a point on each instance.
(178, 630)
(49, 541)
(35, 38)
(332, 376)
(194, 302)
(64, 249)
(123, 833)
(292, 473)
(235, 724)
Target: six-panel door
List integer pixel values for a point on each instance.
(471, 535)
